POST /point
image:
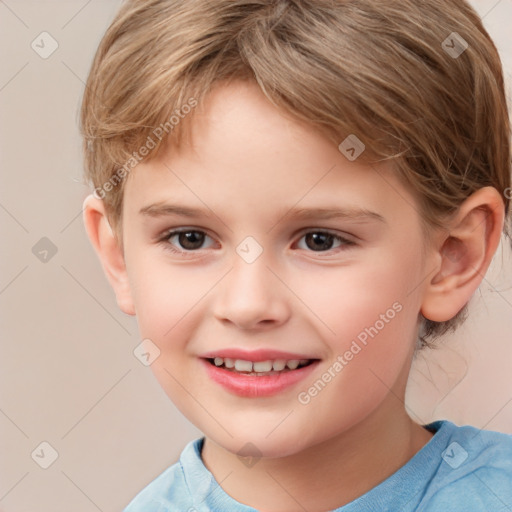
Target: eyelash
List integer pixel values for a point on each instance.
(165, 238)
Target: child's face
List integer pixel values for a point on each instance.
(312, 296)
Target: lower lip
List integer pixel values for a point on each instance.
(257, 386)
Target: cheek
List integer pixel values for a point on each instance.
(371, 312)
(165, 294)
(168, 306)
(359, 296)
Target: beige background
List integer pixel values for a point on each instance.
(68, 375)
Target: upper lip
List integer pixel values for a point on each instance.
(254, 355)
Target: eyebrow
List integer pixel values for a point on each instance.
(350, 213)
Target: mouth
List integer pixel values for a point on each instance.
(259, 368)
(257, 379)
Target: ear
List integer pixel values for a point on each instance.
(465, 252)
(108, 250)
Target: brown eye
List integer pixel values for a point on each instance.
(185, 240)
(323, 241)
(191, 240)
(319, 241)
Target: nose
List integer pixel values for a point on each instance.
(252, 296)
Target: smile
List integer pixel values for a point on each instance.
(257, 378)
(259, 368)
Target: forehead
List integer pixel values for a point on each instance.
(246, 154)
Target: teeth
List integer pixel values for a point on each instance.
(279, 365)
(262, 366)
(241, 365)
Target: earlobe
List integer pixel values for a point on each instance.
(108, 250)
(464, 254)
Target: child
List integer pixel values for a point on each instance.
(293, 197)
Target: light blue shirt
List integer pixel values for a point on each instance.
(461, 469)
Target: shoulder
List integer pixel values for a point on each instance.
(479, 449)
(475, 472)
(169, 489)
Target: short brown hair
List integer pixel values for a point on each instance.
(420, 83)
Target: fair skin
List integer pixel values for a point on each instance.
(248, 165)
